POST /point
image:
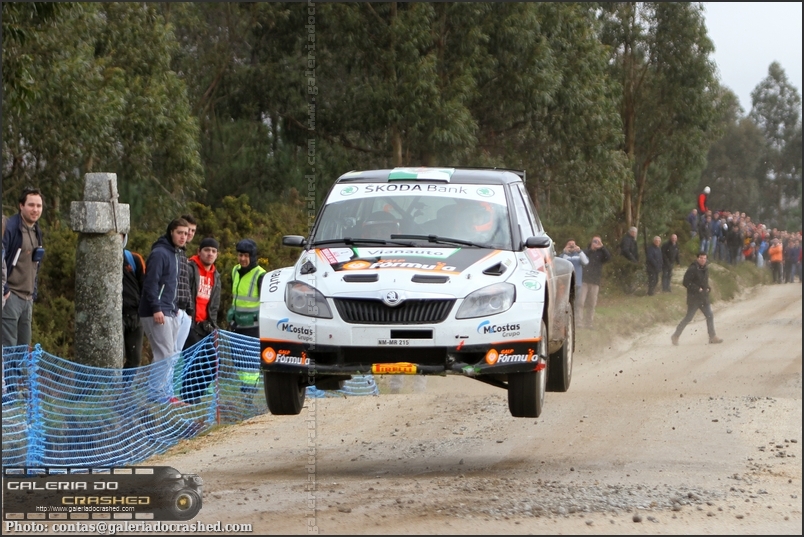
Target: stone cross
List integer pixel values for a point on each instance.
(99, 220)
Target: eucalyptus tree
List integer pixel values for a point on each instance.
(546, 104)
(401, 75)
(734, 161)
(776, 109)
(668, 93)
(494, 84)
(20, 21)
(245, 64)
(101, 97)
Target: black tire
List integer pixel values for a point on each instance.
(185, 505)
(284, 393)
(559, 367)
(526, 390)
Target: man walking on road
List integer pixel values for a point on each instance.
(696, 280)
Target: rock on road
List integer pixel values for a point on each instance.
(650, 438)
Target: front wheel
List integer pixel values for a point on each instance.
(284, 393)
(559, 368)
(526, 390)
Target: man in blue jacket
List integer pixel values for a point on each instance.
(158, 307)
(23, 252)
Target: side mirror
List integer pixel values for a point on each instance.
(293, 240)
(539, 241)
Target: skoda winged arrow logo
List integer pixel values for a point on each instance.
(392, 298)
(485, 192)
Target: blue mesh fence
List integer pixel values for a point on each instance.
(60, 413)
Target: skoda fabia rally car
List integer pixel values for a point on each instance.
(421, 271)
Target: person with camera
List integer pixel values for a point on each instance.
(205, 287)
(23, 252)
(598, 255)
(696, 280)
(573, 253)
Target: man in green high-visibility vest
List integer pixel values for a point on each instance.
(246, 282)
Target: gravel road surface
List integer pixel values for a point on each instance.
(650, 438)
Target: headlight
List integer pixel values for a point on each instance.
(490, 300)
(305, 300)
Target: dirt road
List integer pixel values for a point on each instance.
(650, 438)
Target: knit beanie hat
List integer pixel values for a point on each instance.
(248, 246)
(209, 242)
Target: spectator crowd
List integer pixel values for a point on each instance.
(723, 236)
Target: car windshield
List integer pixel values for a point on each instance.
(476, 215)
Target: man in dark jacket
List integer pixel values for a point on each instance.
(654, 264)
(592, 273)
(158, 307)
(205, 286)
(670, 258)
(734, 241)
(133, 279)
(696, 280)
(628, 246)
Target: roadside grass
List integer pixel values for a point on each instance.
(619, 316)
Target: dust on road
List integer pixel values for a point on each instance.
(650, 438)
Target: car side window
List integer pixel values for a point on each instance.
(530, 208)
(522, 216)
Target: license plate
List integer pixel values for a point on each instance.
(393, 342)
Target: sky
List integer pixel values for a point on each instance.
(748, 37)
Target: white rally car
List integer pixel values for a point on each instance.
(421, 271)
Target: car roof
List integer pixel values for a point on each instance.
(469, 176)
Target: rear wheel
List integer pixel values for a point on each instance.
(284, 393)
(559, 367)
(526, 390)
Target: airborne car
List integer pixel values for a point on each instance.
(421, 271)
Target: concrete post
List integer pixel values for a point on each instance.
(99, 220)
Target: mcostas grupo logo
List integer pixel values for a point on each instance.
(303, 333)
(506, 330)
(131, 493)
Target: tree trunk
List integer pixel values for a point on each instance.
(629, 109)
(396, 142)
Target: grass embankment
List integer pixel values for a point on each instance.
(619, 316)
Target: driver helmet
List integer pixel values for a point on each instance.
(478, 217)
(379, 225)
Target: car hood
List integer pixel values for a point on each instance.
(453, 272)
